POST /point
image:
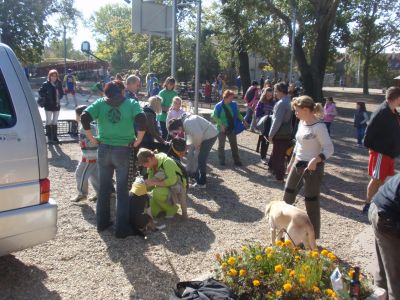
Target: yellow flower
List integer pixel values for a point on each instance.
(232, 272)
(316, 289)
(279, 243)
(243, 272)
(334, 296)
(350, 273)
(324, 252)
(302, 280)
(256, 282)
(329, 292)
(306, 268)
(278, 293)
(258, 257)
(244, 248)
(231, 260)
(287, 287)
(269, 255)
(224, 265)
(268, 250)
(288, 243)
(331, 256)
(292, 273)
(314, 254)
(278, 268)
(297, 258)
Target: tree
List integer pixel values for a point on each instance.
(24, 27)
(377, 27)
(55, 49)
(315, 23)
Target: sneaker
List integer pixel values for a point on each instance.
(197, 186)
(79, 198)
(366, 208)
(93, 199)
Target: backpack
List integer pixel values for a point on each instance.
(209, 289)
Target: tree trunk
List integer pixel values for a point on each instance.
(244, 70)
(365, 75)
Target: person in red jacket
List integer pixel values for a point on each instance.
(382, 138)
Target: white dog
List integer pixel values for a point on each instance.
(294, 221)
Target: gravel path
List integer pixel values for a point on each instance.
(80, 263)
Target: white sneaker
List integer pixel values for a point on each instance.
(198, 186)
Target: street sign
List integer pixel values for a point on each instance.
(151, 18)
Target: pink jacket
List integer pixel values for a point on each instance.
(329, 112)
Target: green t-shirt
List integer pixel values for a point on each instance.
(167, 96)
(115, 124)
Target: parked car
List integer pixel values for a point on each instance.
(28, 216)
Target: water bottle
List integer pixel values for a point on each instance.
(355, 285)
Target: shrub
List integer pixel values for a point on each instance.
(283, 272)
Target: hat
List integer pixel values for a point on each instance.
(178, 144)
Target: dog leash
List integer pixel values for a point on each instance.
(284, 230)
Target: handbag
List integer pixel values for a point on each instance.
(285, 131)
(209, 289)
(264, 124)
(41, 101)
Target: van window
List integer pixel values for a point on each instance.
(7, 113)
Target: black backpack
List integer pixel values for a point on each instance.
(209, 289)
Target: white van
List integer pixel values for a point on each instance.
(28, 216)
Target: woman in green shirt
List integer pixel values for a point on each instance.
(117, 118)
(167, 94)
(163, 173)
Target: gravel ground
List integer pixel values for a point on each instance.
(80, 263)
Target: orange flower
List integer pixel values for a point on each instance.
(231, 260)
(242, 272)
(287, 287)
(288, 243)
(292, 273)
(232, 272)
(258, 257)
(279, 243)
(332, 256)
(316, 289)
(324, 253)
(278, 268)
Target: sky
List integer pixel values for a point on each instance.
(87, 8)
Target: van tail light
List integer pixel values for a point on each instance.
(44, 190)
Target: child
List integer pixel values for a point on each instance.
(87, 167)
(329, 113)
(176, 111)
(166, 94)
(70, 86)
(207, 92)
(360, 122)
(156, 89)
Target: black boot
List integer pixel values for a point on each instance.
(49, 133)
(55, 139)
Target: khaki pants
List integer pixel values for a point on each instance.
(387, 246)
(234, 147)
(312, 186)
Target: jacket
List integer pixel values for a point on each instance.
(329, 112)
(383, 131)
(49, 92)
(282, 113)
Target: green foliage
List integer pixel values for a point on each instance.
(55, 49)
(283, 272)
(24, 28)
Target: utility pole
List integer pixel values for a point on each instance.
(149, 53)
(65, 49)
(292, 48)
(173, 40)
(197, 70)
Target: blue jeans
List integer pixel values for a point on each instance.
(164, 130)
(110, 158)
(360, 134)
(328, 126)
(205, 149)
(249, 115)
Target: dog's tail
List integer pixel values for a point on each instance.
(268, 208)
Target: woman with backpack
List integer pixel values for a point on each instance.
(251, 97)
(263, 112)
(163, 173)
(229, 123)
